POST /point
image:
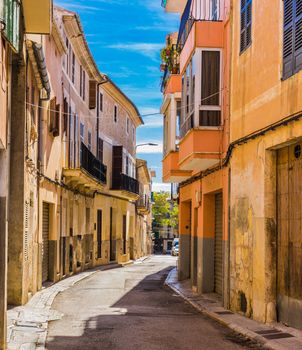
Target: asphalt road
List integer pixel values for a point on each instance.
(130, 309)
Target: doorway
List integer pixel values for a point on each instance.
(289, 236)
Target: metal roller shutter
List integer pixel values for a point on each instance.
(218, 271)
(45, 239)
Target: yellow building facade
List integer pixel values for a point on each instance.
(266, 130)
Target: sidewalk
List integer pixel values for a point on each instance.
(28, 324)
(275, 336)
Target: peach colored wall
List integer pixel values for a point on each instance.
(207, 34)
(200, 141)
(173, 84)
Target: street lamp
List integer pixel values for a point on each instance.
(146, 144)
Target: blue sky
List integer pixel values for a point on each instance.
(125, 37)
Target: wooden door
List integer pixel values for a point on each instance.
(289, 238)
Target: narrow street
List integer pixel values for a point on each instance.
(130, 308)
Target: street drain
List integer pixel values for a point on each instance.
(268, 331)
(224, 313)
(273, 334)
(278, 336)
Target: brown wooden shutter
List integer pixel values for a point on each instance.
(56, 129)
(65, 118)
(210, 84)
(92, 94)
(117, 166)
(52, 114)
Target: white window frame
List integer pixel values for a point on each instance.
(198, 106)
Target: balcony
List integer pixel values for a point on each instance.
(200, 148)
(174, 6)
(89, 176)
(171, 84)
(37, 16)
(171, 170)
(127, 186)
(201, 26)
(143, 205)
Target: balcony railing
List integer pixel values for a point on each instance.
(144, 202)
(92, 165)
(164, 80)
(125, 183)
(207, 118)
(197, 10)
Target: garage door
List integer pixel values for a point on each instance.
(218, 245)
(45, 240)
(289, 238)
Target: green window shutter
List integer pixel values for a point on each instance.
(12, 20)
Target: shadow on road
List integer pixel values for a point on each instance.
(149, 317)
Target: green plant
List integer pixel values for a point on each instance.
(169, 56)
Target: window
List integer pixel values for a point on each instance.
(73, 68)
(82, 83)
(100, 149)
(101, 102)
(210, 108)
(82, 132)
(127, 125)
(133, 134)
(89, 140)
(67, 56)
(54, 117)
(188, 97)
(215, 10)
(115, 114)
(245, 24)
(292, 37)
(127, 165)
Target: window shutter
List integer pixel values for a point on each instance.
(245, 24)
(298, 36)
(288, 38)
(65, 118)
(56, 130)
(52, 114)
(92, 94)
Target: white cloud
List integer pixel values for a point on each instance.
(158, 186)
(153, 122)
(150, 50)
(150, 149)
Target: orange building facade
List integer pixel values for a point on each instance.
(196, 138)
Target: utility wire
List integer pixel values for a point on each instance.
(141, 115)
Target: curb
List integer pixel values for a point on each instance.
(232, 326)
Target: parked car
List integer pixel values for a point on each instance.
(175, 247)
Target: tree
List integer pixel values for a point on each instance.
(165, 212)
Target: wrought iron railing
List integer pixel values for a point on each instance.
(144, 202)
(92, 165)
(197, 10)
(164, 80)
(125, 183)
